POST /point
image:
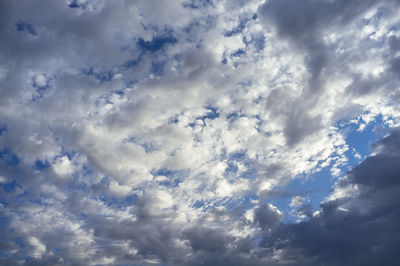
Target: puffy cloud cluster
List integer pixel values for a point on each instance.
(160, 132)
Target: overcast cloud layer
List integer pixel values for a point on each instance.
(168, 132)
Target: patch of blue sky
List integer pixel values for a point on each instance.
(109, 201)
(316, 187)
(127, 201)
(206, 205)
(250, 173)
(131, 139)
(40, 165)
(163, 172)
(244, 202)
(233, 116)
(76, 4)
(238, 156)
(23, 26)
(175, 120)
(9, 158)
(238, 29)
(362, 141)
(238, 53)
(196, 4)
(239, 165)
(101, 76)
(171, 183)
(156, 44)
(198, 204)
(120, 92)
(172, 175)
(9, 186)
(211, 114)
(3, 130)
(232, 168)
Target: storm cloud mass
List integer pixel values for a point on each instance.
(198, 132)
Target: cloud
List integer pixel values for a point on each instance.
(358, 225)
(267, 216)
(148, 132)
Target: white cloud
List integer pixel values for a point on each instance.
(40, 80)
(38, 247)
(176, 115)
(297, 201)
(118, 190)
(62, 166)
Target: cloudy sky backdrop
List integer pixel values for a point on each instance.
(199, 132)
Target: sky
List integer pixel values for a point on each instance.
(200, 132)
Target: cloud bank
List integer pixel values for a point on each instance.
(172, 132)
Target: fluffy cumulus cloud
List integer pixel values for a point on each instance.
(194, 132)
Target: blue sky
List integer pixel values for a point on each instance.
(181, 132)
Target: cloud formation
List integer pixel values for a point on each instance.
(357, 224)
(170, 132)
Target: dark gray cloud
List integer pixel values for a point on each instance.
(266, 216)
(304, 24)
(307, 26)
(207, 239)
(359, 228)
